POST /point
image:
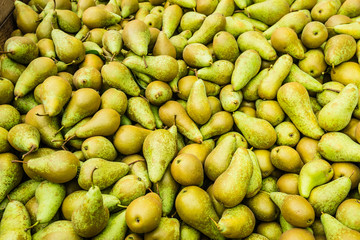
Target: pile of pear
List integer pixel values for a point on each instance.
(181, 120)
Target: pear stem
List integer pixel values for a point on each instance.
(112, 57)
(18, 161)
(85, 37)
(41, 115)
(92, 176)
(8, 197)
(32, 226)
(66, 141)
(122, 206)
(150, 190)
(157, 188)
(62, 127)
(334, 90)
(216, 224)
(145, 62)
(33, 147)
(173, 215)
(135, 161)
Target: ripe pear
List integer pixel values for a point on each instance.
(312, 174)
(314, 34)
(323, 10)
(297, 110)
(129, 139)
(285, 40)
(26, 18)
(61, 228)
(334, 229)
(314, 63)
(68, 48)
(115, 227)
(187, 170)
(68, 20)
(339, 49)
(128, 188)
(235, 26)
(192, 21)
(21, 49)
(288, 183)
(286, 158)
(144, 213)
(348, 212)
(195, 209)
(269, 12)
(297, 75)
(263, 207)
(136, 37)
(97, 17)
(336, 20)
(341, 74)
(270, 111)
(24, 138)
(230, 100)
(11, 174)
(225, 46)
(197, 55)
(219, 123)
(350, 8)
(98, 147)
(302, 4)
(10, 69)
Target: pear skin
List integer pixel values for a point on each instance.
(339, 49)
(334, 229)
(268, 12)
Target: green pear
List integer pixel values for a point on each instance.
(219, 72)
(327, 197)
(236, 26)
(35, 73)
(351, 29)
(302, 4)
(294, 100)
(250, 90)
(179, 42)
(169, 228)
(22, 193)
(344, 103)
(136, 37)
(92, 216)
(350, 8)
(314, 63)
(188, 233)
(295, 20)
(112, 42)
(256, 41)
(198, 106)
(255, 23)
(129, 139)
(61, 228)
(57, 92)
(298, 75)
(206, 7)
(338, 147)
(239, 171)
(237, 222)
(339, 49)
(167, 188)
(68, 20)
(128, 188)
(172, 113)
(106, 174)
(117, 75)
(159, 149)
(128, 7)
(230, 100)
(24, 138)
(139, 110)
(171, 19)
(192, 21)
(212, 24)
(97, 17)
(330, 91)
(246, 67)
(312, 174)
(47, 25)
(334, 229)
(225, 7)
(21, 49)
(163, 46)
(255, 183)
(184, 3)
(163, 67)
(138, 167)
(57, 167)
(115, 99)
(15, 222)
(98, 147)
(26, 18)
(9, 116)
(10, 69)
(194, 207)
(82, 5)
(199, 150)
(197, 55)
(49, 196)
(182, 72)
(323, 10)
(225, 46)
(4, 143)
(83, 103)
(68, 48)
(11, 174)
(220, 123)
(263, 136)
(26, 103)
(269, 12)
(115, 229)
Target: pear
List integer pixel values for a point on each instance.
(269, 12)
(197, 55)
(288, 183)
(10, 69)
(46, 48)
(225, 46)
(286, 158)
(9, 116)
(24, 138)
(250, 90)
(115, 229)
(139, 110)
(295, 20)
(92, 216)
(68, 48)
(297, 110)
(163, 46)
(98, 147)
(129, 139)
(144, 213)
(194, 207)
(323, 10)
(336, 230)
(199, 150)
(230, 100)
(57, 167)
(47, 25)
(350, 8)
(333, 193)
(338, 147)
(26, 18)
(250, 21)
(163, 67)
(4, 143)
(285, 40)
(314, 63)
(212, 24)
(270, 111)
(128, 188)
(106, 174)
(128, 7)
(263, 207)
(10, 175)
(21, 49)
(187, 170)
(35, 73)
(239, 170)
(225, 7)
(136, 37)
(312, 174)
(192, 21)
(339, 49)
(15, 222)
(68, 20)
(347, 213)
(57, 92)
(346, 100)
(219, 72)
(314, 34)
(61, 228)
(115, 99)
(206, 7)
(263, 137)
(336, 20)
(298, 75)
(246, 67)
(159, 149)
(256, 41)
(220, 123)
(237, 222)
(189, 233)
(172, 113)
(103, 17)
(302, 4)
(340, 73)
(255, 183)
(169, 228)
(83, 103)
(117, 75)
(235, 26)
(49, 196)
(171, 19)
